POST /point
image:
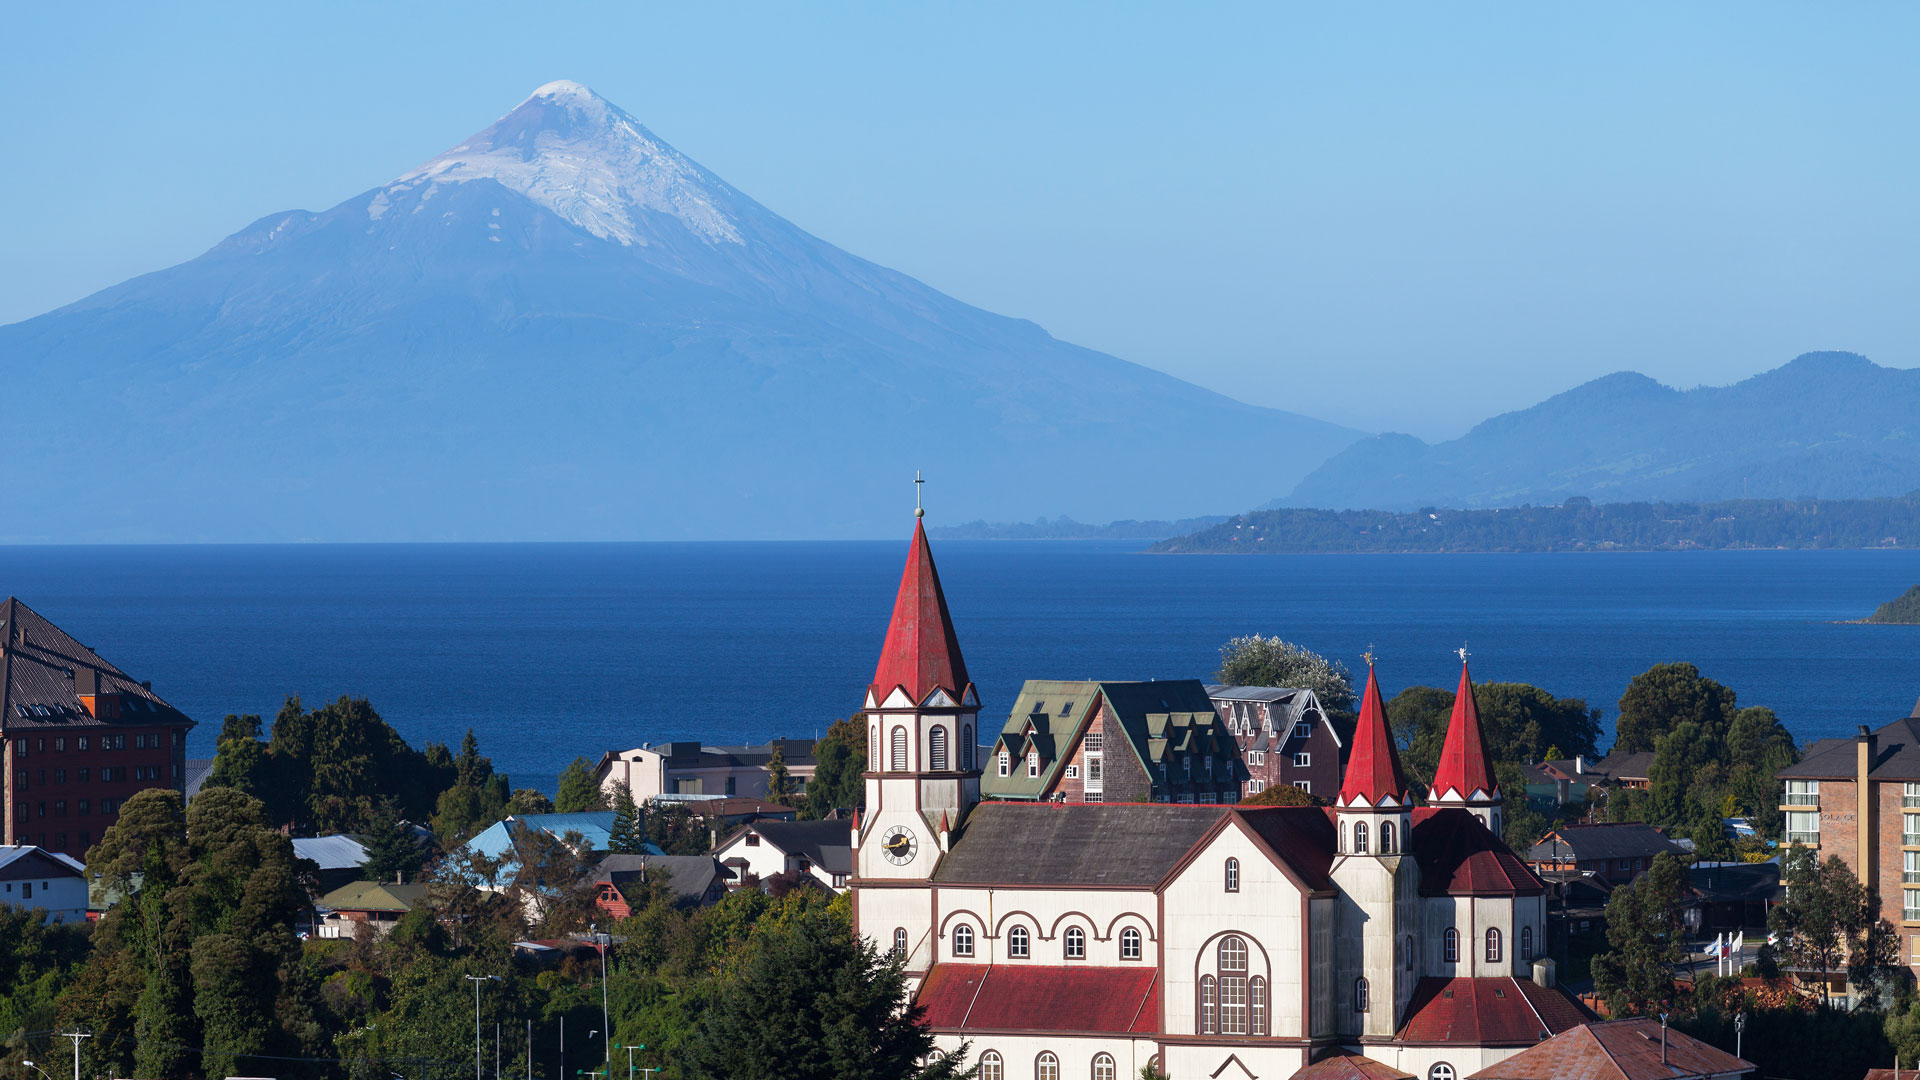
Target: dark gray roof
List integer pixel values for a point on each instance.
(828, 844)
(1612, 840)
(41, 668)
(689, 877)
(1896, 756)
(1127, 844)
(1736, 882)
(1619, 765)
(198, 769)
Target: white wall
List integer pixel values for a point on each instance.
(1020, 1053)
(1268, 910)
(65, 898)
(1100, 914)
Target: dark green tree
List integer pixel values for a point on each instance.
(1665, 696)
(578, 791)
(1824, 909)
(1519, 722)
(529, 801)
(239, 756)
(839, 759)
(1645, 940)
(780, 786)
(674, 829)
(811, 1001)
(629, 834)
(1281, 795)
(394, 851)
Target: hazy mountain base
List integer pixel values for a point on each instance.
(1065, 528)
(1577, 525)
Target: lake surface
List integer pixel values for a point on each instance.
(553, 650)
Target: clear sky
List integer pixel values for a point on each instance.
(1401, 217)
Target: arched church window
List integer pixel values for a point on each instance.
(1386, 838)
(899, 762)
(1103, 1068)
(963, 940)
(1359, 838)
(899, 941)
(992, 1066)
(1076, 943)
(1450, 946)
(1233, 986)
(1046, 1067)
(1440, 1071)
(1017, 943)
(1360, 1001)
(1493, 946)
(873, 743)
(1209, 1011)
(937, 748)
(1257, 999)
(1526, 943)
(966, 748)
(1233, 875)
(1129, 944)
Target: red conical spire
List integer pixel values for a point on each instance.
(1373, 769)
(921, 652)
(1464, 767)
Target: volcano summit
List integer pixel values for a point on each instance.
(563, 328)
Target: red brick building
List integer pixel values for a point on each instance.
(81, 736)
(1284, 737)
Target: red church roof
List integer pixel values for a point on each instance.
(1373, 768)
(1072, 1000)
(1463, 767)
(921, 653)
(1498, 1011)
(1457, 856)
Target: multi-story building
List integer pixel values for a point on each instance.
(81, 736)
(1283, 736)
(1859, 798)
(1072, 940)
(688, 768)
(1615, 852)
(1105, 741)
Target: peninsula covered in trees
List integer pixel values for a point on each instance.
(1903, 609)
(1579, 524)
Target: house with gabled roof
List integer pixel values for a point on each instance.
(1071, 938)
(1111, 741)
(1284, 736)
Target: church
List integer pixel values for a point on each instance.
(1084, 941)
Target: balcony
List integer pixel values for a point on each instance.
(1802, 799)
(1811, 839)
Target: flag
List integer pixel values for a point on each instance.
(1739, 942)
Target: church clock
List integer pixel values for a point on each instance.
(899, 845)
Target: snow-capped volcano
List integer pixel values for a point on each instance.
(563, 328)
(582, 157)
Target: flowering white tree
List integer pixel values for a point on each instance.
(1268, 661)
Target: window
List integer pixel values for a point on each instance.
(1066, 709)
(1033, 764)
(1209, 1011)
(1803, 793)
(1076, 943)
(26, 890)
(966, 748)
(59, 776)
(1409, 952)
(1006, 762)
(1095, 741)
(1233, 875)
(992, 1066)
(1910, 867)
(1233, 986)
(106, 806)
(873, 745)
(1257, 1000)
(1493, 946)
(1017, 943)
(899, 762)
(963, 940)
(937, 748)
(1803, 827)
(1909, 797)
(1626, 864)
(1912, 905)
(80, 776)
(1209, 761)
(1302, 730)
(1450, 946)
(1304, 785)
(1440, 1071)
(1046, 1067)
(84, 808)
(1386, 838)
(1360, 1001)
(80, 742)
(1526, 943)
(59, 808)
(1910, 829)
(1073, 772)
(1103, 1067)
(1303, 760)
(900, 941)
(1130, 944)
(1359, 838)
(60, 743)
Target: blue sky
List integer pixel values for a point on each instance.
(1397, 217)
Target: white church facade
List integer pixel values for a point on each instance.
(1084, 941)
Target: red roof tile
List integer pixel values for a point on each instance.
(921, 652)
(1373, 767)
(1346, 1065)
(1617, 1050)
(981, 997)
(1487, 1012)
(1301, 835)
(1459, 857)
(1464, 767)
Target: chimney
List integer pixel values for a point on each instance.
(1867, 746)
(1580, 764)
(86, 687)
(1544, 971)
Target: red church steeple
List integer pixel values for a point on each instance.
(1464, 773)
(1373, 768)
(922, 653)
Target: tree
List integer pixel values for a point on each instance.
(674, 829)
(839, 759)
(780, 785)
(1268, 661)
(1519, 722)
(1644, 939)
(811, 1001)
(629, 834)
(579, 792)
(552, 880)
(1903, 1031)
(528, 800)
(1281, 795)
(394, 852)
(1665, 696)
(239, 757)
(1825, 909)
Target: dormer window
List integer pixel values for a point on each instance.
(1033, 764)
(1006, 762)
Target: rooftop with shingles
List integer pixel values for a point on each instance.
(1627, 1049)
(1075, 1000)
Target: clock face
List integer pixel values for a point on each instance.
(899, 845)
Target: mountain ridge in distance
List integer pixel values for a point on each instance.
(563, 329)
(1830, 425)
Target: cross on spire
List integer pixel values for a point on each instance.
(918, 510)
(1462, 652)
(1368, 655)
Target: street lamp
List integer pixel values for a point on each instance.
(36, 1068)
(593, 929)
(476, 980)
(1739, 1030)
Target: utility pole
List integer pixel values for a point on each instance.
(476, 980)
(529, 1048)
(76, 1036)
(630, 1050)
(606, 1026)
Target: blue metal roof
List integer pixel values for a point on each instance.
(596, 828)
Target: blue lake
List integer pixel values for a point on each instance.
(553, 650)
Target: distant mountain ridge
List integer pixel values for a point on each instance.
(1829, 425)
(563, 328)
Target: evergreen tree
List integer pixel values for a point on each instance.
(578, 792)
(239, 756)
(529, 801)
(628, 836)
(393, 851)
(1645, 940)
(840, 757)
(1665, 696)
(780, 786)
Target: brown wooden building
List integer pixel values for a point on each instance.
(81, 736)
(1284, 737)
